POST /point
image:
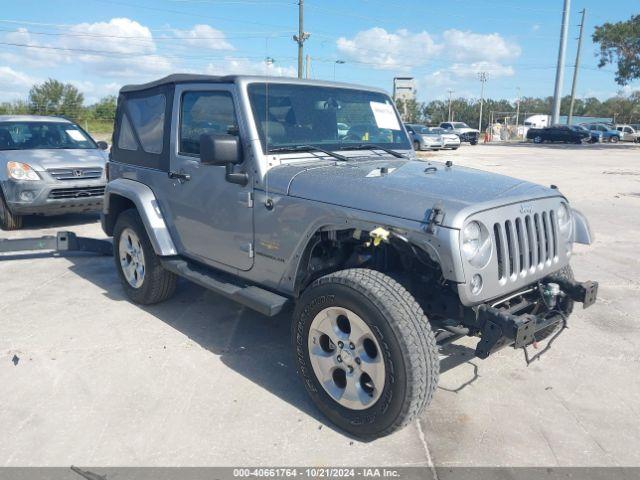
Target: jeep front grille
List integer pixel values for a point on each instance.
(75, 173)
(79, 192)
(525, 244)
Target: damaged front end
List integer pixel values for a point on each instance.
(530, 316)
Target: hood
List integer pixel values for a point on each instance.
(409, 190)
(467, 130)
(41, 160)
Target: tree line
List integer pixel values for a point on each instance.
(621, 108)
(64, 99)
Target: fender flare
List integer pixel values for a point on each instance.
(581, 229)
(148, 208)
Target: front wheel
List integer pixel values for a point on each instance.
(614, 139)
(365, 351)
(416, 146)
(8, 220)
(141, 274)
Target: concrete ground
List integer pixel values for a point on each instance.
(89, 378)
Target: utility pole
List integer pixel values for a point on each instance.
(482, 76)
(575, 70)
(301, 37)
(517, 110)
(449, 117)
(307, 67)
(557, 93)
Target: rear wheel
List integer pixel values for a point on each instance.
(8, 220)
(141, 274)
(537, 139)
(365, 351)
(416, 146)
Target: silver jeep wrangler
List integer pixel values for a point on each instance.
(249, 186)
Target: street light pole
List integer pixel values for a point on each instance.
(517, 109)
(482, 76)
(449, 117)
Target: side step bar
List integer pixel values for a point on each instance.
(256, 298)
(62, 242)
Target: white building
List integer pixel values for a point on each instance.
(404, 88)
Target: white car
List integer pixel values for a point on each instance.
(628, 133)
(423, 138)
(449, 140)
(464, 132)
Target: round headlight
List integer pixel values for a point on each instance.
(476, 244)
(471, 240)
(565, 222)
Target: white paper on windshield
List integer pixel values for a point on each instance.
(76, 135)
(385, 115)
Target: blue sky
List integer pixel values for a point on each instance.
(100, 45)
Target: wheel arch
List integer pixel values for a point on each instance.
(122, 194)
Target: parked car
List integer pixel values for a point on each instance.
(384, 257)
(609, 133)
(628, 133)
(449, 140)
(48, 166)
(423, 138)
(595, 136)
(558, 133)
(463, 131)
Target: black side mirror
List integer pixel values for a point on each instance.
(223, 149)
(102, 145)
(219, 149)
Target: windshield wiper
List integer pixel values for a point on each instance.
(373, 146)
(309, 148)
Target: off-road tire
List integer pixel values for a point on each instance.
(565, 305)
(158, 284)
(407, 342)
(8, 220)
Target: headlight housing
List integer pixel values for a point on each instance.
(565, 221)
(476, 244)
(21, 171)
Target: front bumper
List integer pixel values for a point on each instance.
(53, 197)
(500, 327)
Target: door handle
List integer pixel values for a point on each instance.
(183, 177)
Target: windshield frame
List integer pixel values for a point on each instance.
(338, 145)
(58, 122)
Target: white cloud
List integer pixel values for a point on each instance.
(460, 72)
(244, 66)
(475, 47)
(14, 84)
(387, 50)
(204, 36)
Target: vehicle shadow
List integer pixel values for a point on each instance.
(253, 345)
(38, 222)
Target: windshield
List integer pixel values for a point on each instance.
(43, 135)
(289, 115)
(435, 131)
(460, 125)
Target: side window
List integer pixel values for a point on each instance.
(126, 140)
(202, 113)
(147, 116)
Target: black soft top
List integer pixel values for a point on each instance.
(179, 78)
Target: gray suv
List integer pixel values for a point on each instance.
(48, 166)
(245, 186)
